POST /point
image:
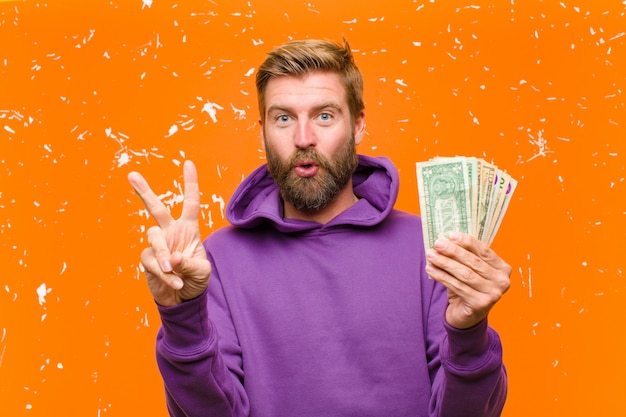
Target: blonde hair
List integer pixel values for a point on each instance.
(301, 57)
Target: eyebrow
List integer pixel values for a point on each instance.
(329, 104)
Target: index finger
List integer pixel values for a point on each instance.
(154, 206)
(478, 248)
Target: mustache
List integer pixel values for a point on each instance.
(310, 154)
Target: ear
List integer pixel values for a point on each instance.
(359, 128)
(262, 132)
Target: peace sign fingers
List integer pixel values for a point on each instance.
(176, 263)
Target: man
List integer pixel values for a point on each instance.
(319, 301)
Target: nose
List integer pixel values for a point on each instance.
(304, 135)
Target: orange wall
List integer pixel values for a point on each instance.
(90, 90)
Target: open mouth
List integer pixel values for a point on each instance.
(306, 168)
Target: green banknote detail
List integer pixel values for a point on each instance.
(444, 198)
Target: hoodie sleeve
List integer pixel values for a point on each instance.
(466, 368)
(199, 379)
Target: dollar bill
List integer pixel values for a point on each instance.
(487, 180)
(463, 194)
(473, 178)
(444, 198)
(500, 191)
(507, 199)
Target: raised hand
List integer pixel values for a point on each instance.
(176, 265)
(475, 276)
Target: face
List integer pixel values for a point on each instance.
(310, 138)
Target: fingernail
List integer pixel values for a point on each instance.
(441, 244)
(431, 254)
(167, 266)
(456, 236)
(178, 284)
(429, 270)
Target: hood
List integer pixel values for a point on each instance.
(257, 199)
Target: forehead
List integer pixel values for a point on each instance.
(308, 90)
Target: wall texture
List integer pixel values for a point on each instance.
(90, 90)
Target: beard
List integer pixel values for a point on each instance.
(310, 194)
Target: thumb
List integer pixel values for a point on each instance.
(189, 267)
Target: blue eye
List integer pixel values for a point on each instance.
(283, 118)
(325, 116)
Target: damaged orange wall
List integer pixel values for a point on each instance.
(90, 90)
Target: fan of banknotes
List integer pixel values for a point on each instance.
(462, 194)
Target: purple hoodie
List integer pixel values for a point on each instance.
(302, 319)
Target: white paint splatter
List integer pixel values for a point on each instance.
(173, 129)
(42, 291)
(123, 159)
(171, 199)
(530, 283)
(82, 135)
(187, 124)
(211, 109)
(4, 348)
(219, 199)
(474, 118)
(240, 114)
(542, 146)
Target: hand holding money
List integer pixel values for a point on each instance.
(462, 194)
(463, 201)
